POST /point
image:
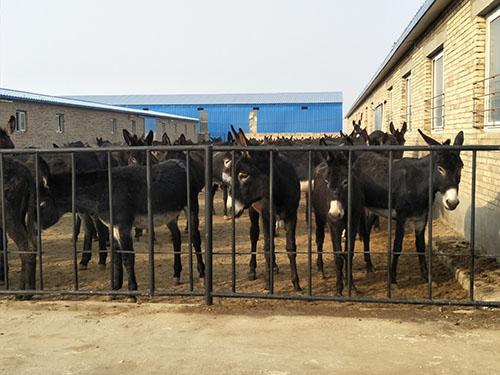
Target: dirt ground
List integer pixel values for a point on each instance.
(178, 335)
(258, 337)
(58, 263)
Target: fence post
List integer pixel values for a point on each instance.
(208, 225)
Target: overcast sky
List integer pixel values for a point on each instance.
(196, 46)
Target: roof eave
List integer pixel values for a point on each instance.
(424, 18)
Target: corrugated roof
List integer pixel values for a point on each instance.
(7, 94)
(201, 99)
(424, 17)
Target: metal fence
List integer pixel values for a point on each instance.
(210, 289)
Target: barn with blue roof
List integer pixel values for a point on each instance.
(276, 113)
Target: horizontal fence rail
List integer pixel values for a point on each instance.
(229, 287)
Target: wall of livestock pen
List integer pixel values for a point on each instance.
(460, 32)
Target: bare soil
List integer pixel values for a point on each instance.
(58, 263)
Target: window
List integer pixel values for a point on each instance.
(113, 126)
(60, 123)
(437, 102)
(200, 109)
(21, 120)
(256, 108)
(379, 115)
(304, 108)
(493, 69)
(407, 85)
(134, 127)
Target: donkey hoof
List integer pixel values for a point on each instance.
(131, 299)
(177, 281)
(102, 266)
(252, 276)
(370, 269)
(24, 297)
(227, 217)
(83, 267)
(297, 287)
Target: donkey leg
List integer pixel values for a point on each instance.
(254, 238)
(365, 235)
(77, 227)
(102, 235)
(19, 235)
(291, 249)
(176, 241)
(320, 239)
(196, 237)
(128, 255)
(268, 236)
(420, 245)
(336, 236)
(398, 246)
(224, 198)
(2, 265)
(88, 234)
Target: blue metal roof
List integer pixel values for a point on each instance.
(7, 94)
(201, 99)
(427, 13)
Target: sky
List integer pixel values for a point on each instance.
(79, 47)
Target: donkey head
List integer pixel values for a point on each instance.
(251, 175)
(447, 169)
(358, 135)
(5, 141)
(137, 157)
(399, 134)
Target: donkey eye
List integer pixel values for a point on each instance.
(345, 183)
(243, 176)
(227, 163)
(441, 170)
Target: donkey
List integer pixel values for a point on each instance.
(410, 191)
(396, 137)
(168, 196)
(251, 191)
(93, 228)
(330, 203)
(20, 206)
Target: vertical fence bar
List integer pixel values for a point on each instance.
(272, 224)
(73, 215)
(233, 228)
(389, 228)
(189, 224)
(4, 227)
(349, 224)
(39, 225)
(309, 223)
(472, 227)
(151, 228)
(430, 213)
(208, 225)
(111, 228)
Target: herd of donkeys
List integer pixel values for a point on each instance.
(242, 171)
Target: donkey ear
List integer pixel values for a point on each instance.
(391, 128)
(430, 141)
(149, 138)
(54, 145)
(230, 138)
(459, 139)
(404, 128)
(235, 133)
(165, 140)
(182, 139)
(447, 142)
(128, 137)
(12, 124)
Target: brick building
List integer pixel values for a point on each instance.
(443, 76)
(42, 120)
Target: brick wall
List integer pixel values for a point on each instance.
(81, 124)
(462, 35)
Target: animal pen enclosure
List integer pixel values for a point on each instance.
(224, 255)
